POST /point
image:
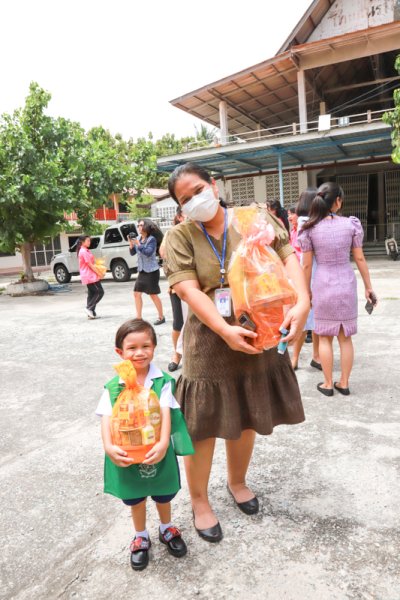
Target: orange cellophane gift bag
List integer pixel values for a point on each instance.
(136, 415)
(260, 288)
(101, 268)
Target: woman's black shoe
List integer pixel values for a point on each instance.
(139, 553)
(173, 366)
(341, 390)
(316, 365)
(250, 507)
(211, 534)
(324, 391)
(172, 538)
(159, 321)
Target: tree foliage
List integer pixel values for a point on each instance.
(50, 167)
(393, 118)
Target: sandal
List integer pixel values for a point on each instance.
(341, 390)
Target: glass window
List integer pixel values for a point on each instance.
(112, 236)
(128, 228)
(94, 242)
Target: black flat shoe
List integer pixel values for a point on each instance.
(173, 366)
(211, 534)
(250, 507)
(344, 391)
(316, 365)
(172, 538)
(139, 553)
(324, 391)
(159, 321)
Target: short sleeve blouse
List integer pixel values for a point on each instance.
(189, 255)
(358, 232)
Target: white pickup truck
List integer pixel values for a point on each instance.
(113, 246)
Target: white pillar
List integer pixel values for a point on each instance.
(223, 122)
(301, 90)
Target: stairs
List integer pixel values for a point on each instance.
(374, 249)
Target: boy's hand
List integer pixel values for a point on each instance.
(118, 456)
(156, 454)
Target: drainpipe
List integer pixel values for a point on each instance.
(280, 179)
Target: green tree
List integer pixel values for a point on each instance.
(50, 167)
(393, 118)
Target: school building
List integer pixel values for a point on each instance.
(311, 113)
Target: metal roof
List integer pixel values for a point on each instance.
(266, 95)
(343, 145)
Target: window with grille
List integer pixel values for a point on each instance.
(392, 189)
(355, 188)
(290, 187)
(41, 254)
(165, 215)
(243, 191)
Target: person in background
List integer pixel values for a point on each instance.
(329, 238)
(227, 389)
(148, 280)
(302, 209)
(276, 208)
(292, 217)
(89, 275)
(176, 303)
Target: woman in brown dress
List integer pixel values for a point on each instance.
(228, 389)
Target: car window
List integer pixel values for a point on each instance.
(94, 242)
(112, 236)
(128, 228)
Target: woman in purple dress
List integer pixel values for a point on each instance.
(330, 238)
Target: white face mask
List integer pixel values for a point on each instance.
(202, 207)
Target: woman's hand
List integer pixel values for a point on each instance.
(295, 321)
(156, 454)
(235, 336)
(118, 456)
(371, 296)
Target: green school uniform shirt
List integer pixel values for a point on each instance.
(161, 479)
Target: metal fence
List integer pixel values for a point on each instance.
(381, 231)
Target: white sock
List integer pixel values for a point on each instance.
(143, 534)
(164, 527)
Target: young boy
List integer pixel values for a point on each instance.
(158, 475)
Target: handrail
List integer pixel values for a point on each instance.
(337, 121)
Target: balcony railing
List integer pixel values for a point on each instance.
(293, 129)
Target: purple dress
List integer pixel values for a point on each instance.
(334, 287)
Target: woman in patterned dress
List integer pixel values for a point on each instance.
(228, 389)
(334, 291)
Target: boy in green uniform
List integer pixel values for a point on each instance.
(158, 475)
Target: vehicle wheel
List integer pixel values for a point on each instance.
(120, 271)
(62, 274)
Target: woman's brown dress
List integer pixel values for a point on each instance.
(222, 391)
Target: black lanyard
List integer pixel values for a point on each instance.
(221, 258)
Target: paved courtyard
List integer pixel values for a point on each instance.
(329, 488)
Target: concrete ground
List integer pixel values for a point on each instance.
(329, 488)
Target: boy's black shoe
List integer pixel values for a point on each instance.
(172, 538)
(308, 339)
(139, 553)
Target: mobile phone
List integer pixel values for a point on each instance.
(369, 307)
(246, 322)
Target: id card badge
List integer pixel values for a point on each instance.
(223, 301)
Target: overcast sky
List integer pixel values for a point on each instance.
(117, 63)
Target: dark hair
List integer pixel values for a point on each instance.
(189, 169)
(292, 209)
(81, 239)
(178, 216)
(151, 228)
(305, 200)
(323, 202)
(280, 212)
(134, 326)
